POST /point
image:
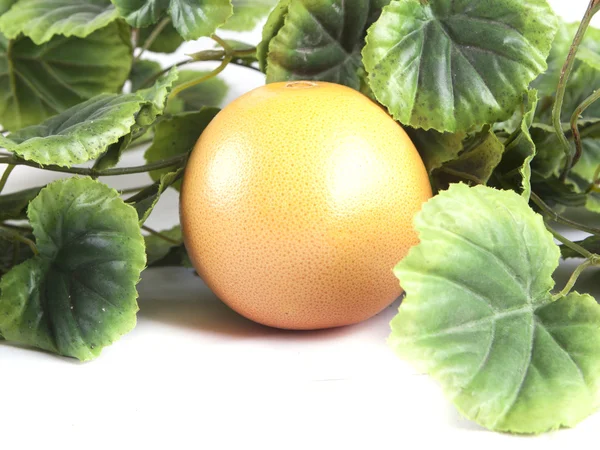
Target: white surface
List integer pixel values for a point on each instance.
(194, 374)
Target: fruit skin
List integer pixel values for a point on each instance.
(297, 202)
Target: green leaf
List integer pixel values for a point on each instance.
(156, 96)
(79, 134)
(549, 151)
(591, 244)
(321, 40)
(479, 316)
(141, 71)
(5, 5)
(556, 193)
(12, 253)
(191, 18)
(208, 93)
(247, 14)
(112, 156)
(457, 65)
(167, 41)
(40, 20)
(150, 196)
(515, 166)
(79, 294)
(157, 248)
(37, 82)
(14, 206)
(274, 23)
(177, 135)
(436, 148)
(476, 163)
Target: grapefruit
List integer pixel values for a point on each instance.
(297, 202)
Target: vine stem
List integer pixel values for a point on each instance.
(208, 76)
(572, 245)
(593, 261)
(556, 217)
(5, 176)
(562, 85)
(20, 238)
(153, 35)
(575, 126)
(160, 235)
(170, 162)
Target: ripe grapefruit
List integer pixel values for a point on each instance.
(297, 202)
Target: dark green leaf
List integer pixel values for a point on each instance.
(14, 206)
(550, 154)
(191, 18)
(40, 20)
(436, 148)
(12, 253)
(591, 244)
(475, 165)
(457, 65)
(37, 82)
(150, 196)
(479, 316)
(79, 294)
(113, 154)
(320, 40)
(177, 135)
(556, 193)
(142, 71)
(80, 133)
(247, 14)
(208, 93)
(167, 41)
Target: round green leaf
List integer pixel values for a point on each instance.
(177, 135)
(79, 134)
(191, 18)
(79, 294)
(479, 316)
(40, 20)
(247, 14)
(319, 40)
(457, 65)
(37, 82)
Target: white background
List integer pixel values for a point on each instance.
(194, 374)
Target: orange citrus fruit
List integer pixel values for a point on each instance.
(297, 202)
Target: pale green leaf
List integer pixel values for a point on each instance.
(156, 96)
(177, 135)
(479, 316)
(274, 23)
(515, 166)
(37, 82)
(457, 65)
(79, 294)
(79, 134)
(191, 18)
(40, 20)
(208, 93)
(247, 14)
